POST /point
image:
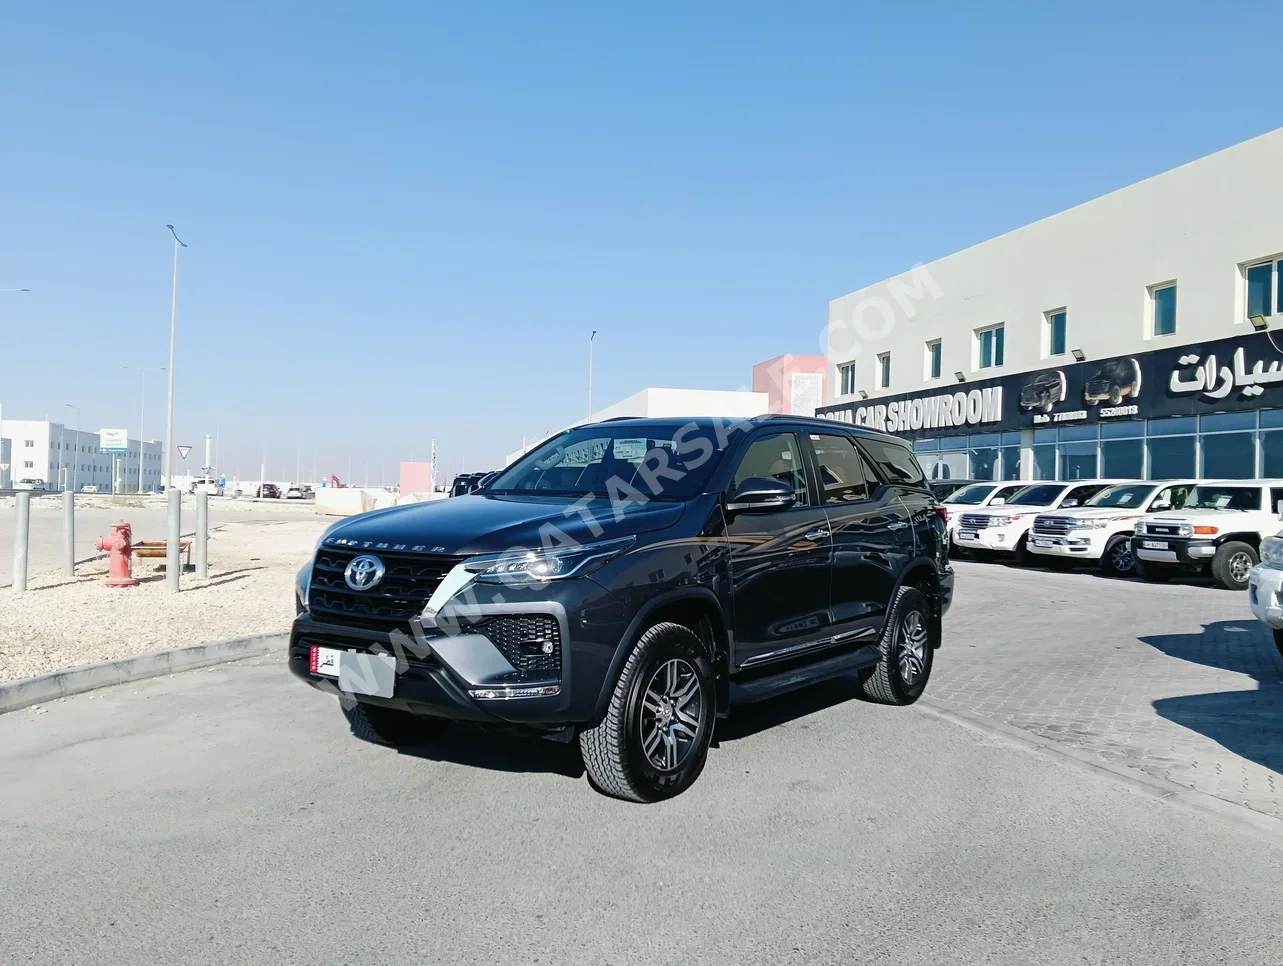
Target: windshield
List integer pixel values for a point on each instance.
(972, 495)
(1127, 497)
(1224, 498)
(626, 460)
(1037, 495)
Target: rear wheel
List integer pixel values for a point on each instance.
(388, 726)
(1233, 563)
(1154, 573)
(1278, 641)
(908, 648)
(653, 741)
(1117, 560)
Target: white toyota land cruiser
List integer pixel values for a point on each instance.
(1005, 529)
(972, 497)
(1100, 531)
(1219, 530)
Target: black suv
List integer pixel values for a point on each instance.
(629, 582)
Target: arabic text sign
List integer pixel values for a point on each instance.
(1218, 382)
(114, 441)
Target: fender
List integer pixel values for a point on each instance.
(634, 631)
(914, 563)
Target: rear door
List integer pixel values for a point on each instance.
(780, 559)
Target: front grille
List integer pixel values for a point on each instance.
(1163, 529)
(976, 521)
(520, 638)
(408, 582)
(1051, 526)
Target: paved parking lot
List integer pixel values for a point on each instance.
(1178, 680)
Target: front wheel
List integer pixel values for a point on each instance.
(1232, 565)
(653, 741)
(908, 649)
(1117, 560)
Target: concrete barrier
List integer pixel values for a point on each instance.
(343, 501)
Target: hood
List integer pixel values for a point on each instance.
(494, 524)
(1007, 509)
(1088, 512)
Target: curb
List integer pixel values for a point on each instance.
(1139, 781)
(25, 692)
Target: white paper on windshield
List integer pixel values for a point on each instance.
(630, 449)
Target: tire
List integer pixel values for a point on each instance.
(388, 726)
(1062, 564)
(1021, 553)
(1152, 572)
(668, 661)
(1115, 396)
(1232, 565)
(1278, 641)
(908, 647)
(1117, 560)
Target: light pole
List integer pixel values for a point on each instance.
(75, 466)
(173, 331)
(590, 343)
(142, 412)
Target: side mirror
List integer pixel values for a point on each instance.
(1160, 505)
(761, 495)
(998, 501)
(1070, 502)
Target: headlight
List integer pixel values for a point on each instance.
(1272, 551)
(553, 563)
(1009, 518)
(1094, 523)
(1140, 527)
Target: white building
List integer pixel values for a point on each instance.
(63, 457)
(665, 403)
(1113, 339)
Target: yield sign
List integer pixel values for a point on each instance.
(183, 451)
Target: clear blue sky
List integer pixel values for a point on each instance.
(406, 218)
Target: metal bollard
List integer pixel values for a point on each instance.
(69, 533)
(173, 545)
(202, 535)
(21, 531)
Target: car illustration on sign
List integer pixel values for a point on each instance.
(1046, 389)
(1113, 381)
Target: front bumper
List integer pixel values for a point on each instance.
(1173, 550)
(1000, 539)
(1265, 593)
(1080, 544)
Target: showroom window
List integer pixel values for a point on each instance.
(884, 370)
(1262, 287)
(1163, 307)
(847, 375)
(1171, 450)
(1227, 446)
(1122, 450)
(933, 360)
(1056, 332)
(989, 347)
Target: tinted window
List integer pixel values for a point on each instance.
(1083, 493)
(1175, 495)
(971, 495)
(895, 461)
(1276, 495)
(775, 457)
(1213, 497)
(842, 474)
(1126, 497)
(1037, 495)
(1007, 492)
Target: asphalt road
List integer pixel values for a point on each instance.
(227, 816)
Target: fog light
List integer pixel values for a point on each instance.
(504, 694)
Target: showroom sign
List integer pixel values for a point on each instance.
(1227, 375)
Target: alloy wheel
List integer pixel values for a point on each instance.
(1121, 557)
(914, 642)
(1240, 567)
(672, 712)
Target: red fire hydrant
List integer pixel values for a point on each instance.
(120, 546)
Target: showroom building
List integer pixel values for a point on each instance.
(1136, 335)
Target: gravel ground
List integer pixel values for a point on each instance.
(66, 622)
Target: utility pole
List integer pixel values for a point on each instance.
(142, 413)
(75, 466)
(590, 345)
(173, 332)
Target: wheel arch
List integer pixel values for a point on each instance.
(1250, 538)
(921, 572)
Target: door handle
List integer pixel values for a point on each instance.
(897, 525)
(818, 533)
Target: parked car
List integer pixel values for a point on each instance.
(29, 484)
(89, 488)
(1043, 391)
(1115, 380)
(1265, 588)
(294, 493)
(466, 483)
(941, 489)
(1004, 530)
(268, 491)
(1100, 531)
(973, 497)
(745, 576)
(1218, 532)
(210, 486)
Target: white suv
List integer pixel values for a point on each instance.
(973, 497)
(1005, 529)
(1100, 531)
(1265, 588)
(1219, 530)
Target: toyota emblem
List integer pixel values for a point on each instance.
(363, 572)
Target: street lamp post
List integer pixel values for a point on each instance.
(75, 466)
(590, 344)
(142, 412)
(173, 331)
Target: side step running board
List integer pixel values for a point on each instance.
(769, 686)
